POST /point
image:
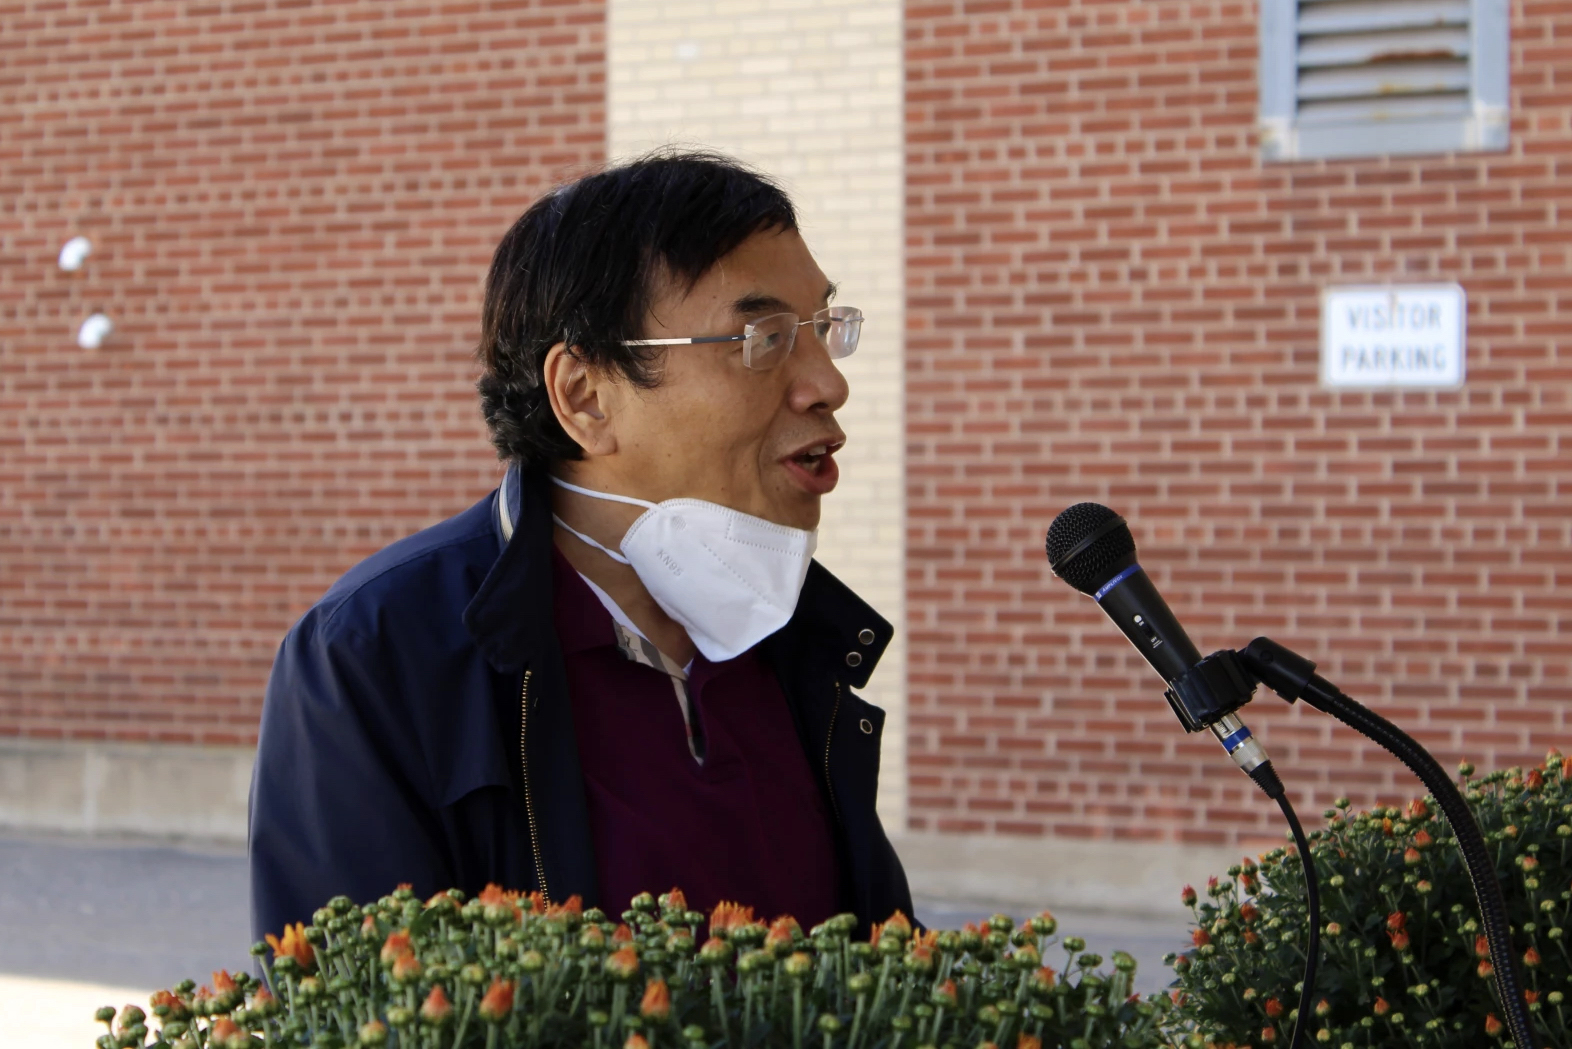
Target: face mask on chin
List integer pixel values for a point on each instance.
(731, 579)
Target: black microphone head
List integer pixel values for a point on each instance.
(1087, 544)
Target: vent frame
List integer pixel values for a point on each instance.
(1318, 99)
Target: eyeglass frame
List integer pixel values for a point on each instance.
(748, 331)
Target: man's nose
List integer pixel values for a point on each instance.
(816, 383)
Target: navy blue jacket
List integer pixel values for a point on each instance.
(396, 744)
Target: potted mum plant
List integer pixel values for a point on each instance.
(510, 970)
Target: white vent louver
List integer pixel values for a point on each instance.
(1382, 60)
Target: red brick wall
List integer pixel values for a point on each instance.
(1112, 298)
(292, 206)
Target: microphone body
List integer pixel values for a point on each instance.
(1131, 600)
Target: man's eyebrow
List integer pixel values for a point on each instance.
(757, 303)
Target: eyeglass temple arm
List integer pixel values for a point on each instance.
(684, 342)
(716, 338)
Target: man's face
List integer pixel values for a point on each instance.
(757, 441)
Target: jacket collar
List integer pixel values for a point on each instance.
(510, 616)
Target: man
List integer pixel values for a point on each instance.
(621, 671)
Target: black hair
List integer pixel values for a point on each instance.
(581, 266)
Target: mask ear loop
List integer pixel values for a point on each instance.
(609, 497)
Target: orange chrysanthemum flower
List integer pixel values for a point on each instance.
(500, 904)
(294, 945)
(656, 1005)
(623, 964)
(498, 1002)
(573, 906)
(727, 917)
(395, 947)
(436, 1008)
(227, 1034)
(780, 939)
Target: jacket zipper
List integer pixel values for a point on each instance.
(529, 804)
(834, 712)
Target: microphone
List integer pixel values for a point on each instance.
(1091, 548)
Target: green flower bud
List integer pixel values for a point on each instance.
(373, 1033)
(829, 1023)
(755, 961)
(859, 983)
(105, 1014)
(1074, 943)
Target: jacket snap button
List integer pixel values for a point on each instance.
(854, 659)
(865, 636)
(866, 726)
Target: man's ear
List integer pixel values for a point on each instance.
(580, 399)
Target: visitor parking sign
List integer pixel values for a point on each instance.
(1395, 336)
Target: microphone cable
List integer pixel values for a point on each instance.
(1267, 779)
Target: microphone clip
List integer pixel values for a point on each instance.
(1210, 690)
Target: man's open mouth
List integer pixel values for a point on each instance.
(812, 459)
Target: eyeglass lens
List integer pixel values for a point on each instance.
(770, 339)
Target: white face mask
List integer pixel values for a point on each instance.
(729, 578)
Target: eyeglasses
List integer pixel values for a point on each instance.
(768, 341)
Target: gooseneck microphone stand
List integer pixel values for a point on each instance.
(1293, 677)
(1090, 547)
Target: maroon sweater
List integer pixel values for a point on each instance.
(749, 825)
